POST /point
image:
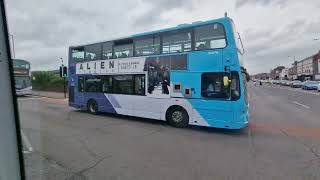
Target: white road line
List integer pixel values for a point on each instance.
(26, 142)
(297, 103)
(297, 90)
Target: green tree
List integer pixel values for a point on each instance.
(47, 81)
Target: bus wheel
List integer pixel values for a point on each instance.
(177, 117)
(92, 107)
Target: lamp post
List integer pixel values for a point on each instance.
(61, 61)
(294, 60)
(64, 78)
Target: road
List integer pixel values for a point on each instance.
(281, 142)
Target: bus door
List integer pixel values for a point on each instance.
(215, 105)
(79, 90)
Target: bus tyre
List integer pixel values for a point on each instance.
(177, 117)
(92, 106)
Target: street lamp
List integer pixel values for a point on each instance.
(61, 61)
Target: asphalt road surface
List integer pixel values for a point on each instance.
(281, 142)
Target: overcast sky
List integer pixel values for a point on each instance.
(271, 30)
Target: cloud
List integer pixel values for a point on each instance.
(240, 3)
(157, 7)
(271, 29)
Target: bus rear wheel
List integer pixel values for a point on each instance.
(177, 117)
(92, 107)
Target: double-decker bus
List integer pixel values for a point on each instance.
(22, 77)
(191, 74)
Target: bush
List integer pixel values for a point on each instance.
(47, 81)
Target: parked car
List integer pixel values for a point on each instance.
(319, 87)
(287, 83)
(274, 81)
(284, 83)
(310, 85)
(296, 84)
(281, 82)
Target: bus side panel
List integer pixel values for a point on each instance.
(140, 106)
(104, 105)
(206, 61)
(216, 113)
(241, 106)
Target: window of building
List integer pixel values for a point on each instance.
(209, 37)
(139, 84)
(147, 46)
(123, 84)
(77, 54)
(212, 86)
(176, 42)
(92, 52)
(107, 50)
(106, 84)
(93, 84)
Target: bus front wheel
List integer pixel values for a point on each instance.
(177, 117)
(92, 106)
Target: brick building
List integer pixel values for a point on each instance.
(309, 68)
(276, 72)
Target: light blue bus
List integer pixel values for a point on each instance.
(22, 77)
(191, 74)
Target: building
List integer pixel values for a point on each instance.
(309, 68)
(316, 65)
(275, 73)
(292, 73)
(263, 76)
(284, 74)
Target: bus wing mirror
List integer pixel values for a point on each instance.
(226, 81)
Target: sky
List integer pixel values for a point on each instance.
(274, 32)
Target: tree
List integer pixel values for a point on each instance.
(47, 81)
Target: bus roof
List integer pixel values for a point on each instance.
(180, 26)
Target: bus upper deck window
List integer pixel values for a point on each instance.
(93, 52)
(209, 37)
(77, 54)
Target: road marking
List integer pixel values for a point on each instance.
(297, 103)
(297, 90)
(26, 142)
(307, 92)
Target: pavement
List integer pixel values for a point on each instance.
(56, 95)
(282, 141)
